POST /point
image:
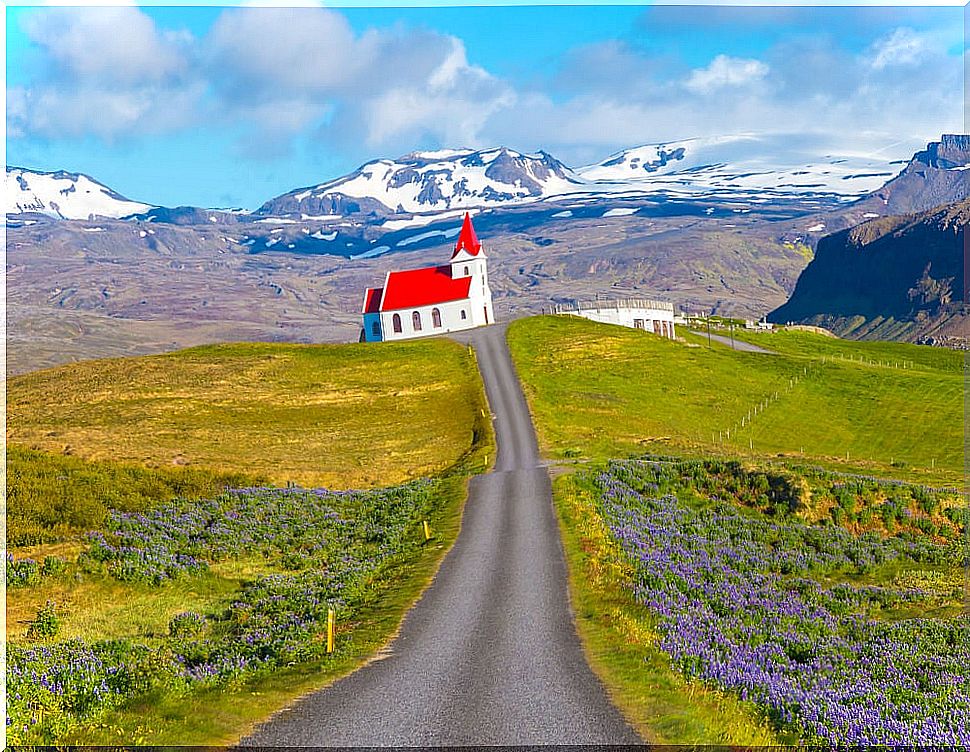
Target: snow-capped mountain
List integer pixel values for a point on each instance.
(433, 181)
(64, 195)
(745, 167)
(742, 164)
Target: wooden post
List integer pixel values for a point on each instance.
(331, 618)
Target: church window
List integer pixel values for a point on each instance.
(436, 318)
(375, 329)
(463, 315)
(416, 321)
(466, 271)
(397, 323)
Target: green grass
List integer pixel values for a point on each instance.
(629, 392)
(52, 497)
(340, 416)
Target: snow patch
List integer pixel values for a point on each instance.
(450, 233)
(619, 212)
(563, 214)
(372, 252)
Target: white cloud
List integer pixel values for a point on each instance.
(113, 44)
(107, 72)
(726, 71)
(272, 75)
(902, 47)
(452, 106)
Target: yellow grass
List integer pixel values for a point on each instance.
(341, 416)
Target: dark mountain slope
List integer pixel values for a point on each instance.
(892, 277)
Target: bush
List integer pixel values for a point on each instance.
(22, 573)
(46, 623)
(187, 624)
(53, 566)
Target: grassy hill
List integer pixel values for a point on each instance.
(161, 602)
(882, 408)
(322, 415)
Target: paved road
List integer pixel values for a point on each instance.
(736, 344)
(489, 655)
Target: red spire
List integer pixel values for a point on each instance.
(467, 239)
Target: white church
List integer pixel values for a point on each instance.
(434, 299)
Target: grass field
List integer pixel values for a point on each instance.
(630, 392)
(897, 410)
(141, 432)
(322, 415)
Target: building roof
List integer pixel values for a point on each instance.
(467, 239)
(372, 299)
(421, 287)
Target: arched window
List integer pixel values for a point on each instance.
(396, 321)
(416, 321)
(436, 318)
(463, 314)
(375, 329)
(466, 271)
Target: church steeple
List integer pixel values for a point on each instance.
(467, 239)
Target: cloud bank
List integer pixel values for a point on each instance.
(271, 77)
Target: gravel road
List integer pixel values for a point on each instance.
(489, 655)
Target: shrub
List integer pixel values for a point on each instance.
(187, 624)
(46, 623)
(53, 566)
(22, 572)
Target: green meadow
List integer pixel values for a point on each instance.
(881, 408)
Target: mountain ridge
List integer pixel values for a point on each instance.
(898, 277)
(742, 167)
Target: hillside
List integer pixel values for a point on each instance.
(892, 277)
(197, 601)
(336, 416)
(630, 393)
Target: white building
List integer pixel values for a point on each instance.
(435, 299)
(650, 315)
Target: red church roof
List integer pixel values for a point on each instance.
(467, 239)
(372, 299)
(421, 287)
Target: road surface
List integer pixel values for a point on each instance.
(489, 655)
(736, 344)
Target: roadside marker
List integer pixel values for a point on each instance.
(331, 618)
(427, 531)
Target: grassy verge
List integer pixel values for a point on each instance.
(621, 645)
(631, 392)
(225, 715)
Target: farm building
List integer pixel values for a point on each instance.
(650, 315)
(434, 299)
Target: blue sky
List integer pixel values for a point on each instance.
(231, 106)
